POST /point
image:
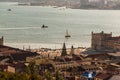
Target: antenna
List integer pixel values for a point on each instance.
(29, 48)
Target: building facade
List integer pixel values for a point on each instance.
(105, 41)
(100, 4)
(1, 40)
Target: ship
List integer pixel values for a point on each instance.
(67, 35)
(43, 26)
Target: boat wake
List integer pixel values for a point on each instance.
(20, 28)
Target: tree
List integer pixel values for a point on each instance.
(32, 72)
(58, 77)
(48, 75)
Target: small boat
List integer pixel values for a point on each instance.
(9, 9)
(67, 35)
(55, 7)
(43, 26)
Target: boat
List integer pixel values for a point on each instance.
(9, 9)
(67, 35)
(55, 7)
(43, 26)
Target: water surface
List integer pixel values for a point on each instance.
(22, 25)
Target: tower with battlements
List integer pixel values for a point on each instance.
(105, 41)
(99, 40)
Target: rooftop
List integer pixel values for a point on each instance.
(114, 54)
(14, 54)
(103, 76)
(115, 77)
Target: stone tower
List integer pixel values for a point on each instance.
(99, 40)
(64, 52)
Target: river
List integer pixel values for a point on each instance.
(22, 25)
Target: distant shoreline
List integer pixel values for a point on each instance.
(28, 4)
(68, 7)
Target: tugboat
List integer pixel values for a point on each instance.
(43, 26)
(67, 35)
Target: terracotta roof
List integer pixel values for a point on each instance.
(22, 56)
(103, 76)
(15, 53)
(115, 77)
(117, 54)
(89, 66)
(98, 55)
